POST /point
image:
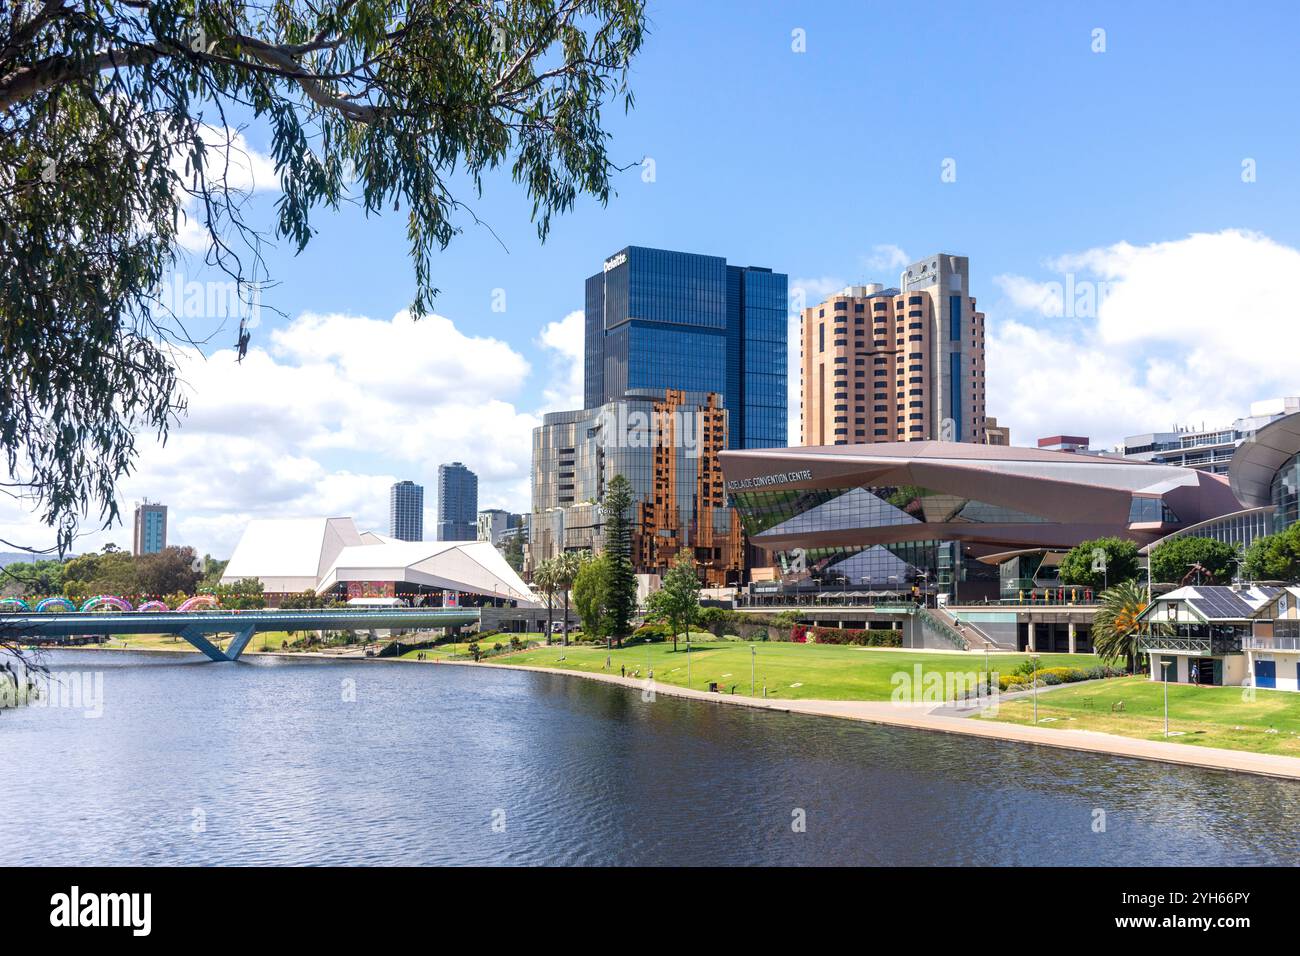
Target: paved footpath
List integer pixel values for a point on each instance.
(928, 717)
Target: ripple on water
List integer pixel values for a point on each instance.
(308, 762)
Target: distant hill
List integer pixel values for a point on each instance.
(19, 557)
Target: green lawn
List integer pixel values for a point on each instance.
(1208, 716)
(790, 671)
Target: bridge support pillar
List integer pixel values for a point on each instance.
(239, 642)
(1033, 643)
(1074, 638)
(195, 637)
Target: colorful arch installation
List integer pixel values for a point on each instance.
(153, 606)
(13, 604)
(199, 600)
(55, 604)
(107, 600)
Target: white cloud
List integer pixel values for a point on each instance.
(807, 292)
(885, 257)
(1139, 338)
(565, 342)
(227, 159)
(321, 418)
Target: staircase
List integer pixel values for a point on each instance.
(943, 628)
(975, 639)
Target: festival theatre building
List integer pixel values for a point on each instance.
(951, 517)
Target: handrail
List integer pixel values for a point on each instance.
(944, 629)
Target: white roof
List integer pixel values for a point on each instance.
(289, 554)
(475, 566)
(294, 554)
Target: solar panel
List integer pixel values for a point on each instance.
(1221, 604)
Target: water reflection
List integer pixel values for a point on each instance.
(321, 762)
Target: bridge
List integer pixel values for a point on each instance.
(197, 626)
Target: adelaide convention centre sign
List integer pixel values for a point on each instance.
(766, 481)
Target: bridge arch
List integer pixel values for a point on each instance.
(199, 600)
(107, 600)
(55, 603)
(153, 606)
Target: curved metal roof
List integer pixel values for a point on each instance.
(1258, 459)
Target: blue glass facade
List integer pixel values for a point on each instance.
(657, 319)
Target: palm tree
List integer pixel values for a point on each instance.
(544, 579)
(1117, 626)
(567, 566)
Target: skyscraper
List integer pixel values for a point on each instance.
(897, 364)
(666, 444)
(406, 511)
(150, 534)
(658, 320)
(457, 503)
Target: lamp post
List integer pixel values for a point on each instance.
(688, 657)
(1034, 678)
(753, 657)
(1164, 669)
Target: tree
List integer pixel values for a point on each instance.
(678, 599)
(1171, 561)
(115, 139)
(620, 600)
(590, 594)
(212, 570)
(544, 580)
(1081, 565)
(1274, 557)
(244, 594)
(567, 566)
(512, 549)
(1116, 627)
(36, 579)
(166, 571)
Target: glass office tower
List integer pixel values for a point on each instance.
(457, 503)
(658, 319)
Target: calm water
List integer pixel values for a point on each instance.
(264, 762)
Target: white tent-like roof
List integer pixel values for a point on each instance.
(475, 566)
(289, 555)
(294, 554)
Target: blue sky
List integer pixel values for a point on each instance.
(1122, 167)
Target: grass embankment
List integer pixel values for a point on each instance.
(1236, 718)
(789, 671)
(461, 648)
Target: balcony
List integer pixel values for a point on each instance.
(1271, 643)
(1205, 646)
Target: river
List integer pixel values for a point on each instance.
(301, 761)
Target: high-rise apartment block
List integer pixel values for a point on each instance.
(406, 511)
(457, 503)
(150, 533)
(896, 364)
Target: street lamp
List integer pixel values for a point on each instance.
(688, 657)
(1164, 669)
(753, 657)
(1034, 678)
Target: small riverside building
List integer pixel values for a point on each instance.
(1273, 650)
(1210, 632)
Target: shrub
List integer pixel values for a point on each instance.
(873, 637)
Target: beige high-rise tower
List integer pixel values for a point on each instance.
(896, 364)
